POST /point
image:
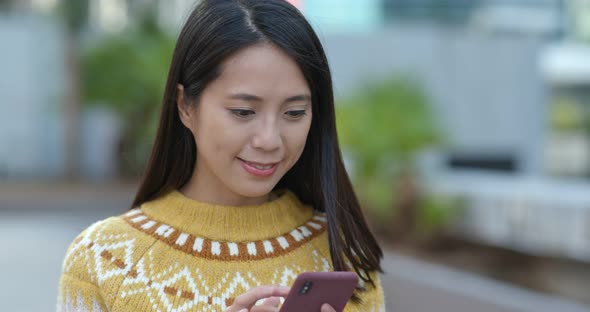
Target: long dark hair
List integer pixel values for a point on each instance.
(218, 28)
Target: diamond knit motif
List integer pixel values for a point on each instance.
(174, 254)
(181, 288)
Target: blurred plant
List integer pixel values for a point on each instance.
(383, 127)
(385, 121)
(435, 213)
(126, 73)
(566, 114)
(565, 152)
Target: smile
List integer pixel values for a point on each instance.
(259, 169)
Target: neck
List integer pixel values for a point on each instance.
(205, 187)
(202, 193)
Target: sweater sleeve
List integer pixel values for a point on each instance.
(78, 289)
(374, 295)
(372, 299)
(76, 295)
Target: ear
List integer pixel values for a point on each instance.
(184, 111)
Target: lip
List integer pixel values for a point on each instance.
(248, 166)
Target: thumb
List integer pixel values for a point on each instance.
(272, 301)
(327, 308)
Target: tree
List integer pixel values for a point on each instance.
(383, 127)
(126, 73)
(75, 13)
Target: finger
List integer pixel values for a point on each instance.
(249, 298)
(272, 301)
(264, 308)
(327, 308)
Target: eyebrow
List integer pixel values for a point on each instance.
(253, 98)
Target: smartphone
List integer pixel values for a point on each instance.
(312, 289)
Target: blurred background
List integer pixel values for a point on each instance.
(465, 125)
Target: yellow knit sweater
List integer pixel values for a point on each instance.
(178, 254)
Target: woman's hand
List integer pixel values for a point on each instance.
(246, 301)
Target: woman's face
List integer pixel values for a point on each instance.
(250, 126)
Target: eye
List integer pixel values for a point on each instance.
(296, 113)
(242, 113)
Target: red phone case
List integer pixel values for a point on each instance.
(334, 288)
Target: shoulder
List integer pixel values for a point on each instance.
(103, 244)
(371, 296)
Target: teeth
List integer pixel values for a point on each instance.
(261, 167)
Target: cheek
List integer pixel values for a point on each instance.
(219, 138)
(297, 137)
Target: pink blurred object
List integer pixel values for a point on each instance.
(297, 3)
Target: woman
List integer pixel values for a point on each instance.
(245, 188)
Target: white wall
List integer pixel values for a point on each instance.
(32, 80)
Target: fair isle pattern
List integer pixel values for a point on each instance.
(173, 288)
(227, 251)
(113, 267)
(70, 304)
(181, 288)
(84, 249)
(106, 255)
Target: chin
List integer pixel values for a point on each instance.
(254, 190)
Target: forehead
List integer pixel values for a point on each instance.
(262, 69)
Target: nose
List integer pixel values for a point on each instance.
(267, 136)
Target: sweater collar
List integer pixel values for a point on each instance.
(229, 223)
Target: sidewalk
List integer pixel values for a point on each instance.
(415, 286)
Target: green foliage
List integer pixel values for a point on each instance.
(567, 114)
(75, 14)
(436, 211)
(386, 122)
(383, 127)
(378, 193)
(126, 73)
